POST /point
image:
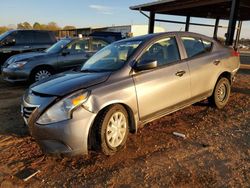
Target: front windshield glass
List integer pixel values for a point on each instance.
(57, 47)
(112, 57)
(2, 36)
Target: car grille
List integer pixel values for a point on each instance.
(27, 111)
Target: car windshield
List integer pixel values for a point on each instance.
(57, 47)
(112, 57)
(2, 36)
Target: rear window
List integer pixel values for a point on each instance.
(42, 38)
(98, 44)
(195, 46)
(78, 46)
(23, 37)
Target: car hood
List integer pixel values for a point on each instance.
(68, 82)
(27, 56)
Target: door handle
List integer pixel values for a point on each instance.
(26, 46)
(217, 62)
(180, 73)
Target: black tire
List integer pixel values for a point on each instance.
(36, 71)
(221, 93)
(104, 126)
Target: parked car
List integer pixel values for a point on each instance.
(66, 54)
(20, 41)
(113, 36)
(125, 85)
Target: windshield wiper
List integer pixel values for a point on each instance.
(89, 70)
(97, 70)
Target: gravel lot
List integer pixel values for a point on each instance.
(215, 153)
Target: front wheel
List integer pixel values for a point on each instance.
(113, 129)
(221, 93)
(40, 74)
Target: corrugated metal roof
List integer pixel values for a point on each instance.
(196, 8)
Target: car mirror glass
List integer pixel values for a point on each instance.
(145, 65)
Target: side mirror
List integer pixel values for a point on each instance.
(145, 65)
(65, 52)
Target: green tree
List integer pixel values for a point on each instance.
(20, 26)
(37, 26)
(27, 25)
(3, 29)
(53, 26)
(24, 25)
(43, 27)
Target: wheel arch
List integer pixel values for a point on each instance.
(51, 68)
(132, 123)
(225, 74)
(92, 142)
(212, 99)
(43, 66)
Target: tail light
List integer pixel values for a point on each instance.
(235, 53)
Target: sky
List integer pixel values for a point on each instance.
(92, 13)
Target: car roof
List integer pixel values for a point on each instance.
(84, 38)
(30, 30)
(151, 36)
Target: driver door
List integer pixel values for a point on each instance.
(165, 87)
(73, 55)
(15, 43)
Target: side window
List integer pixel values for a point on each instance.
(11, 38)
(24, 37)
(78, 46)
(98, 44)
(164, 51)
(193, 46)
(207, 45)
(42, 37)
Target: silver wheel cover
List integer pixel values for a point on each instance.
(116, 129)
(42, 74)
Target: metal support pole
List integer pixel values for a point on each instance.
(187, 23)
(236, 44)
(232, 22)
(151, 22)
(216, 26)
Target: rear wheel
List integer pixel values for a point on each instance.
(221, 93)
(113, 129)
(40, 74)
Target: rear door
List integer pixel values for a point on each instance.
(202, 64)
(166, 87)
(74, 55)
(25, 41)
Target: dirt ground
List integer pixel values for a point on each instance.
(215, 153)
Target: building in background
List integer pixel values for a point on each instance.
(133, 30)
(125, 30)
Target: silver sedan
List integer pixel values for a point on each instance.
(124, 86)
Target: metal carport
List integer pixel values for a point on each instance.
(232, 10)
